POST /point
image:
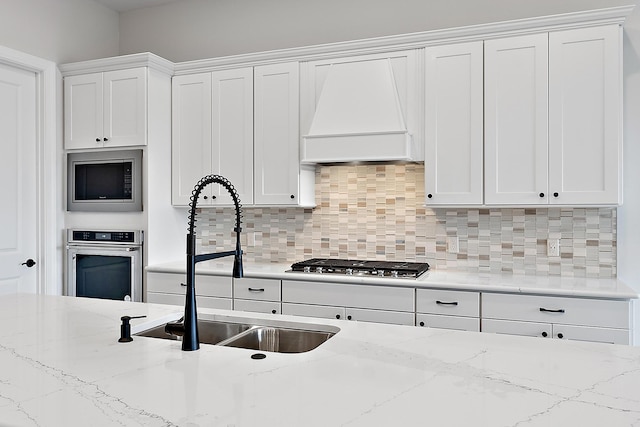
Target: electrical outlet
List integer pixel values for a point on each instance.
(453, 245)
(553, 247)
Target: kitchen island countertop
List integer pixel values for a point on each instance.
(61, 365)
(587, 287)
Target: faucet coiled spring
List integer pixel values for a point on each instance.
(195, 194)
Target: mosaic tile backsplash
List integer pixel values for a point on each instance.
(377, 212)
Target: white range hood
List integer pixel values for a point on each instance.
(358, 117)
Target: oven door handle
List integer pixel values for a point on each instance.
(104, 248)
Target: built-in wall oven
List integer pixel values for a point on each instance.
(105, 264)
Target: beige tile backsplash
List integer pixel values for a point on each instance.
(377, 212)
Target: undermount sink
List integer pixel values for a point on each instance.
(261, 335)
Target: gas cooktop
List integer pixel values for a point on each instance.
(352, 267)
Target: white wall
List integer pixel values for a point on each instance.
(197, 29)
(59, 30)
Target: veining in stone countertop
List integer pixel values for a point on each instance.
(547, 285)
(61, 365)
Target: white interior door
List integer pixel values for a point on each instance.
(18, 192)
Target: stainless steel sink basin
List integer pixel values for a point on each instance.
(280, 340)
(262, 335)
(210, 332)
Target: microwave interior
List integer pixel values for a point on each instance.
(104, 181)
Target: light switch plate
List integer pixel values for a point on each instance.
(453, 245)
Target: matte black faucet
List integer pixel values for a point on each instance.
(190, 339)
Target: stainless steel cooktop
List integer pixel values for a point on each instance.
(352, 267)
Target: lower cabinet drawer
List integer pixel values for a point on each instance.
(201, 301)
(257, 306)
(449, 303)
(174, 283)
(448, 322)
(257, 289)
(557, 310)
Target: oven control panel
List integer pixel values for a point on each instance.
(111, 236)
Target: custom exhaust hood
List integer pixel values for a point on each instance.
(359, 116)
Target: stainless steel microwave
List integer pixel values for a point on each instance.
(104, 181)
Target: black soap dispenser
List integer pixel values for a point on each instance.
(125, 328)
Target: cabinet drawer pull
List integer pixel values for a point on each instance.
(447, 303)
(546, 310)
(256, 289)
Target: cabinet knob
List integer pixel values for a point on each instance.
(293, 197)
(430, 195)
(105, 139)
(560, 335)
(273, 311)
(338, 316)
(205, 197)
(541, 195)
(544, 334)
(349, 317)
(555, 194)
(98, 140)
(421, 323)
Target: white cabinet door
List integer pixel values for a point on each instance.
(453, 124)
(83, 111)
(191, 136)
(308, 310)
(515, 100)
(510, 327)
(380, 316)
(125, 107)
(257, 306)
(232, 133)
(276, 151)
(585, 113)
(106, 109)
(448, 322)
(591, 334)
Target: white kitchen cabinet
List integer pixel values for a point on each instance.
(242, 124)
(454, 124)
(258, 295)
(383, 304)
(106, 109)
(553, 118)
(448, 309)
(559, 317)
(516, 123)
(585, 115)
(213, 134)
(170, 288)
(279, 178)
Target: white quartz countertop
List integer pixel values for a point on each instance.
(546, 285)
(61, 365)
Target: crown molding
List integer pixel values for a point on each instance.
(614, 15)
(145, 59)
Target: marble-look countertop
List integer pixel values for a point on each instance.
(487, 282)
(61, 365)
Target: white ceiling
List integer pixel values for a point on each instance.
(125, 5)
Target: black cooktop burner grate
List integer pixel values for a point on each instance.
(361, 267)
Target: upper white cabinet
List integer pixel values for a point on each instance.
(106, 109)
(516, 143)
(585, 116)
(553, 118)
(242, 124)
(213, 134)
(277, 171)
(453, 161)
